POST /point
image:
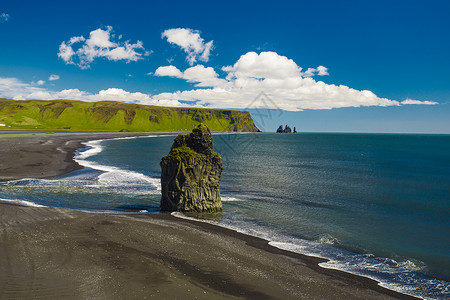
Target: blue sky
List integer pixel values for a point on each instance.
(354, 66)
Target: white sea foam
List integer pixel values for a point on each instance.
(94, 147)
(328, 239)
(399, 277)
(230, 199)
(411, 265)
(113, 176)
(20, 202)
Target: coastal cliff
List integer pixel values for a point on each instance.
(190, 174)
(70, 115)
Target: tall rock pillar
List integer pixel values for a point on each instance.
(190, 174)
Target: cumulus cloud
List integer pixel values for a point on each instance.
(320, 70)
(53, 77)
(278, 77)
(170, 71)
(203, 77)
(40, 82)
(190, 41)
(411, 101)
(264, 65)
(199, 74)
(100, 44)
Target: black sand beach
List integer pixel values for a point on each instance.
(62, 253)
(45, 154)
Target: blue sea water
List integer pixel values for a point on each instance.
(375, 205)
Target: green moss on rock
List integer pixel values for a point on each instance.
(190, 174)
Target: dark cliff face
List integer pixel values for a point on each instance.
(190, 174)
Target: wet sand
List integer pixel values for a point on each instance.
(45, 155)
(61, 253)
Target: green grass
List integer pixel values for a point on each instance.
(184, 153)
(71, 115)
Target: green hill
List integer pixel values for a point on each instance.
(70, 115)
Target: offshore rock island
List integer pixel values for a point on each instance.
(286, 129)
(190, 174)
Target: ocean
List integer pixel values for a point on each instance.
(376, 205)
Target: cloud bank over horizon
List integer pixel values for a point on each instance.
(244, 81)
(288, 86)
(279, 77)
(15, 89)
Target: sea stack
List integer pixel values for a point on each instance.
(286, 129)
(190, 174)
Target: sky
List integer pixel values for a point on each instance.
(321, 66)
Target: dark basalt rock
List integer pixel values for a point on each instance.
(190, 174)
(286, 129)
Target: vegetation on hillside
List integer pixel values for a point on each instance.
(71, 115)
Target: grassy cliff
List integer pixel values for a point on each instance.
(70, 115)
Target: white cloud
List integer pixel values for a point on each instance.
(53, 77)
(170, 71)
(268, 65)
(277, 76)
(126, 52)
(309, 73)
(411, 101)
(203, 77)
(15, 89)
(76, 39)
(40, 82)
(4, 17)
(100, 38)
(320, 70)
(66, 52)
(199, 74)
(99, 44)
(190, 41)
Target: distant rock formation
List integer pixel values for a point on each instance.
(286, 129)
(190, 174)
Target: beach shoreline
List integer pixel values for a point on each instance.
(44, 155)
(245, 266)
